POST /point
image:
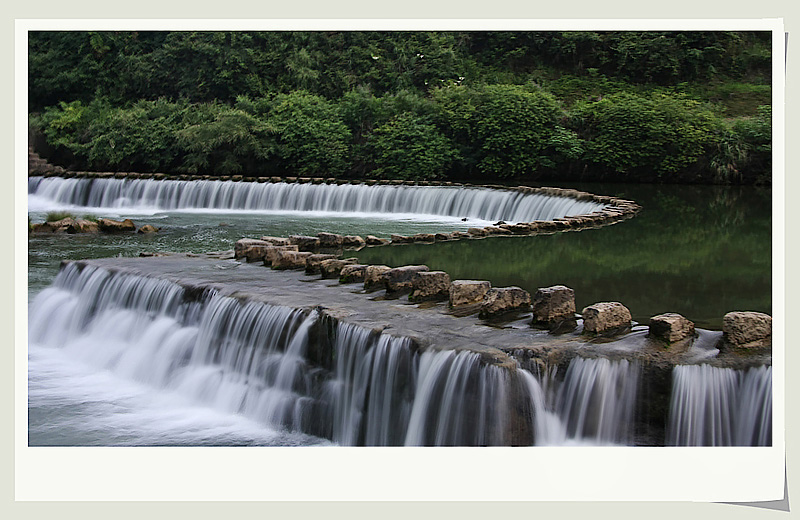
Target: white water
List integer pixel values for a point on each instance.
(148, 196)
(720, 406)
(118, 359)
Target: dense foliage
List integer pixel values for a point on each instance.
(640, 106)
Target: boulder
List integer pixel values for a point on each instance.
(477, 232)
(373, 277)
(372, 240)
(519, 229)
(147, 228)
(424, 237)
(492, 230)
(313, 262)
(331, 268)
(330, 240)
(442, 237)
(504, 300)
(276, 241)
(430, 285)
(243, 243)
(400, 279)
(115, 226)
(606, 317)
(304, 243)
(353, 242)
(671, 327)
(272, 252)
(353, 273)
(747, 329)
(402, 239)
(290, 259)
(553, 305)
(466, 292)
(86, 226)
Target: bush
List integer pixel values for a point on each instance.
(410, 147)
(643, 137)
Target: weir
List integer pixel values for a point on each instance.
(441, 201)
(293, 352)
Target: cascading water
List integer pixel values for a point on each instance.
(295, 371)
(457, 202)
(714, 406)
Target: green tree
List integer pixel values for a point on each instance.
(410, 147)
(312, 139)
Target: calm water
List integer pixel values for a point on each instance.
(700, 251)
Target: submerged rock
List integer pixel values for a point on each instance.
(606, 317)
(671, 327)
(553, 305)
(504, 300)
(430, 285)
(147, 228)
(466, 292)
(747, 329)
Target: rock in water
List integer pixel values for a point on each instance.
(466, 292)
(606, 317)
(504, 300)
(374, 277)
(353, 273)
(553, 305)
(400, 279)
(290, 260)
(428, 286)
(107, 225)
(747, 329)
(147, 228)
(671, 327)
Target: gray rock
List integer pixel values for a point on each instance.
(400, 279)
(671, 327)
(552, 305)
(374, 277)
(430, 285)
(466, 292)
(353, 273)
(504, 300)
(606, 317)
(747, 329)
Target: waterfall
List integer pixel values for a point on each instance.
(597, 400)
(713, 406)
(441, 201)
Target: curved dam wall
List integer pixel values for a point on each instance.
(296, 355)
(146, 191)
